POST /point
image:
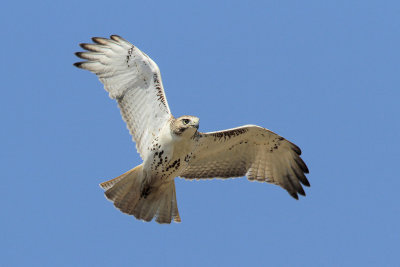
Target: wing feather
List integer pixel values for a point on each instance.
(134, 81)
(250, 151)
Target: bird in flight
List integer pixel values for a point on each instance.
(173, 147)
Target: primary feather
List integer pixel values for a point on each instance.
(250, 151)
(134, 80)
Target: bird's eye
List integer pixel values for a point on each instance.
(185, 121)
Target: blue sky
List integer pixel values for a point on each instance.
(324, 75)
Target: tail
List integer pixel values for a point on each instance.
(132, 195)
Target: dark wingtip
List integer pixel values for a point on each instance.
(99, 40)
(301, 191)
(305, 182)
(306, 168)
(96, 38)
(84, 46)
(300, 175)
(294, 195)
(301, 164)
(78, 64)
(296, 149)
(116, 37)
(79, 54)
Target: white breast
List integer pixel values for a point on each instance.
(168, 155)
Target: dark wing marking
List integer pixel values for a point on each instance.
(250, 151)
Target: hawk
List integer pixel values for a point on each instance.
(173, 147)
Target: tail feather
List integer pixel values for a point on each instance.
(119, 190)
(174, 204)
(168, 207)
(149, 207)
(164, 214)
(131, 195)
(108, 184)
(129, 200)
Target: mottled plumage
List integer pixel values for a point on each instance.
(173, 147)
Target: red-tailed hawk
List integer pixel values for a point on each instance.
(172, 147)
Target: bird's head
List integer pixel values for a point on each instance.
(185, 125)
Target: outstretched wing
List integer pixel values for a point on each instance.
(134, 80)
(249, 150)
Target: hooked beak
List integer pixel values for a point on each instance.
(196, 124)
